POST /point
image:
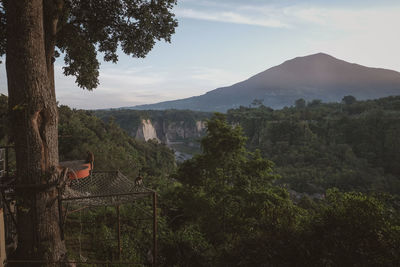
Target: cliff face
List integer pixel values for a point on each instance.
(146, 131)
(180, 130)
(170, 132)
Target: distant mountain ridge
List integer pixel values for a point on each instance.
(318, 76)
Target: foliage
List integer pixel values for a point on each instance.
(349, 99)
(353, 226)
(78, 29)
(92, 233)
(300, 103)
(134, 25)
(226, 206)
(349, 146)
(113, 149)
(347, 229)
(80, 131)
(314, 103)
(221, 192)
(225, 199)
(87, 26)
(257, 102)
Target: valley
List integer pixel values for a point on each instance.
(351, 146)
(179, 130)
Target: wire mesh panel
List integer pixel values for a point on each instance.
(103, 189)
(95, 232)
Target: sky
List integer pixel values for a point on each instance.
(222, 42)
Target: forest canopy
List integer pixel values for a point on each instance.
(230, 205)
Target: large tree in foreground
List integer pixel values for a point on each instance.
(32, 35)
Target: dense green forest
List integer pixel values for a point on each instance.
(231, 205)
(353, 145)
(227, 210)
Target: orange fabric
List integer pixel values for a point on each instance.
(81, 173)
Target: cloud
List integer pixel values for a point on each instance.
(294, 16)
(214, 77)
(364, 34)
(368, 36)
(118, 87)
(135, 86)
(230, 17)
(346, 19)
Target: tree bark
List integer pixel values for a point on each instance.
(33, 112)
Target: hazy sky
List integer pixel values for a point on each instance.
(221, 42)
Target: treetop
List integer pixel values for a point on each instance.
(90, 26)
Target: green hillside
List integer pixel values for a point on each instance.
(114, 149)
(353, 146)
(80, 131)
(230, 205)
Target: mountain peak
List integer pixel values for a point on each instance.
(320, 55)
(314, 58)
(316, 76)
(316, 68)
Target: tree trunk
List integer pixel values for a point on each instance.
(33, 112)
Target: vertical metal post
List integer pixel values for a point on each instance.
(60, 214)
(119, 234)
(3, 162)
(154, 229)
(6, 162)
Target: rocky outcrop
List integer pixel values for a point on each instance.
(146, 131)
(181, 131)
(201, 126)
(170, 132)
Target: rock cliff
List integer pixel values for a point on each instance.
(178, 129)
(170, 132)
(146, 131)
